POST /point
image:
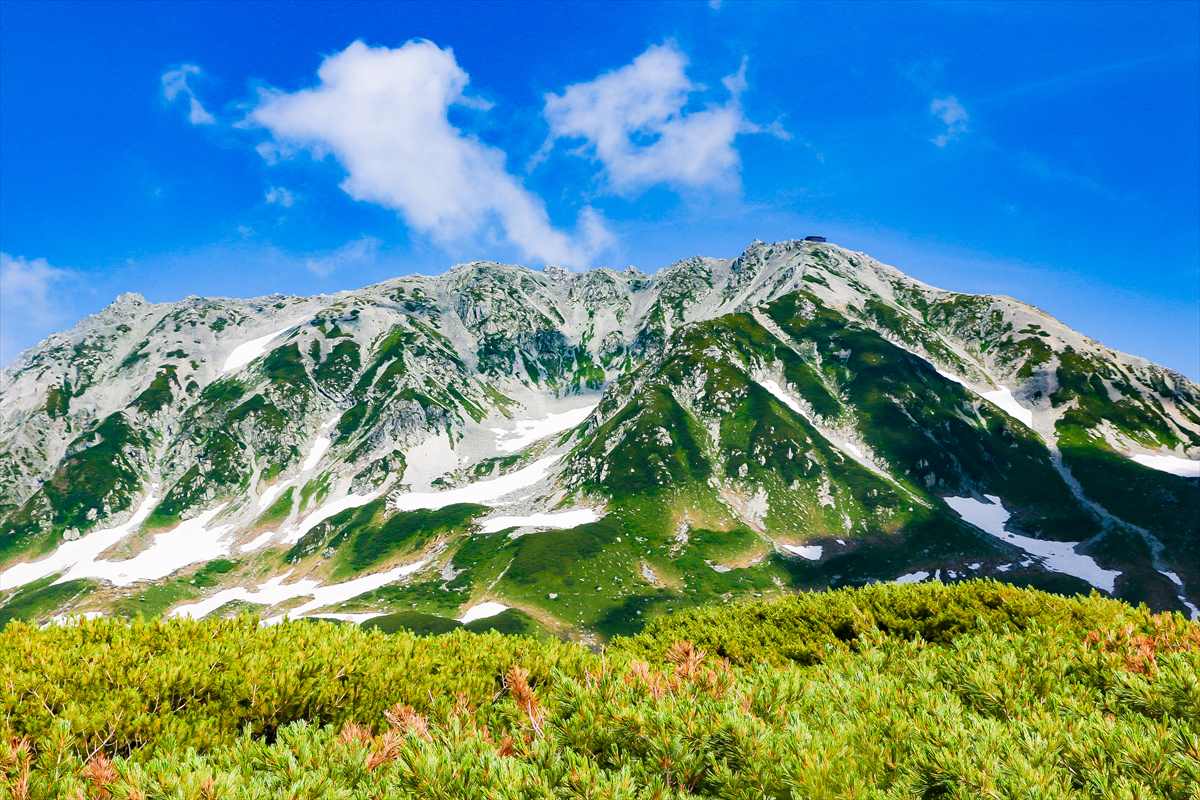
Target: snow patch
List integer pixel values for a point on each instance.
(551, 519)
(1193, 611)
(845, 446)
(270, 495)
(482, 611)
(912, 577)
(275, 591)
(479, 492)
(528, 431)
(75, 617)
(320, 445)
(257, 542)
(81, 551)
(1055, 556)
(783, 397)
(1001, 397)
(189, 542)
(1175, 465)
(319, 515)
(810, 551)
(246, 352)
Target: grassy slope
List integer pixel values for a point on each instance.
(976, 690)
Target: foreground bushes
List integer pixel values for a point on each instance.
(805, 628)
(964, 691)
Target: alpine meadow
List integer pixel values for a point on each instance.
(410, 496)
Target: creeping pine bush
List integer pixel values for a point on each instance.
(969, 691)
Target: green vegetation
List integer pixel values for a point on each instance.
(339, 369)
(370, 534)
(278, 511)
(157, 395)
(100, 475)
(58, 400)
(510, 622)
(223, 468)
(41, 599)
(154, 600)
(930, 429)
(975, 690)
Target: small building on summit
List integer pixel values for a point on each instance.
(814, 238)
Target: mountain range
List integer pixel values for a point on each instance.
(577, 452)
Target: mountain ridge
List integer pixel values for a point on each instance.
(417, 385)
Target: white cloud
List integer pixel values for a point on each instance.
(352, 254)
(175, 84)
(634, 121)
(382, 113)
(280, 196)
(952, 115)
(30, 306)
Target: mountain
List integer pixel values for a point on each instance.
(581, 452)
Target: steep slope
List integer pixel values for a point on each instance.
(592, 449)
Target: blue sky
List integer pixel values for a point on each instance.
(1045, 151)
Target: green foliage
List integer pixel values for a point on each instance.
(915, 692)
(41, 599)
(646, 460)
(807, 627)
(99, 475)
(928, 428)
(370, 534)
(339, 369)
(510, 622)
(1081, 384)
(157, 395)
(278, 511)
(223, 467)
(284, 366)
(58, 400)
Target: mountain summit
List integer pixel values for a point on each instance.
(500, 446)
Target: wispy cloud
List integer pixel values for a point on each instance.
(1064, 81)
(635, 122)
(31, 304)
(382, 113)
(280, 196)
(1042, 168)
(357, 253)
(952, 115)
(175, 85)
